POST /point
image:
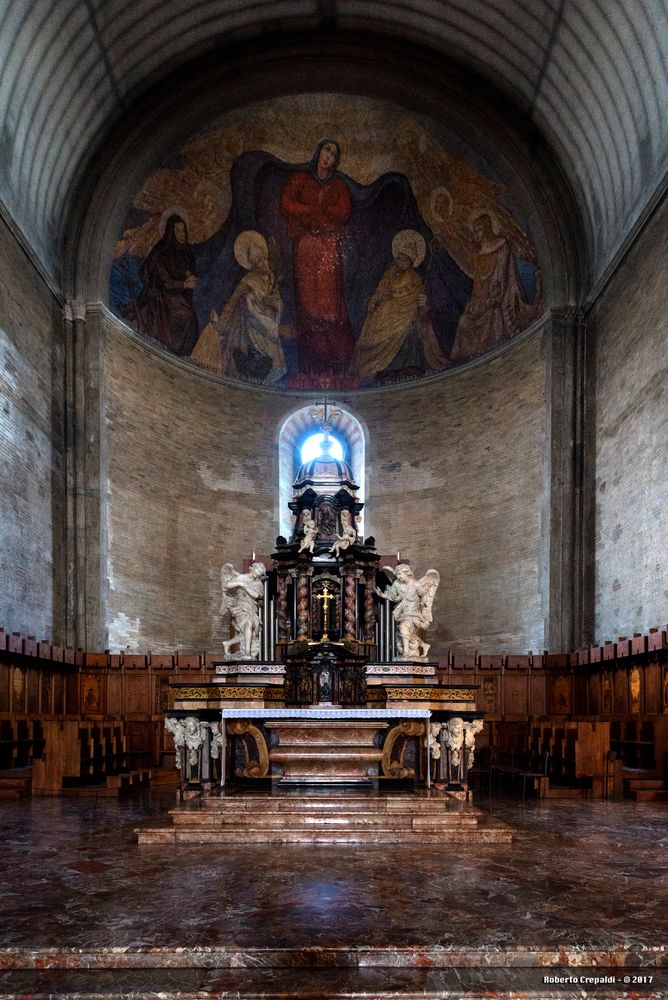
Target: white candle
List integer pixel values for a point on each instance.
(253, 559)
(398, 556)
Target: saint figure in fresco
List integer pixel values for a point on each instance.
(333, 237)
(164, 308)
(397, 336)
(317, 205)
(243, 339)
(497, 308)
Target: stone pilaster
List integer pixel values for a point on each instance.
(86, 463)
(564, 472)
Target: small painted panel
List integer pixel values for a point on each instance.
(323, 241)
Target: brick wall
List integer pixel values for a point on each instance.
(32, 476)
(191, 483)
(630, 322)
(455, 481)
(454, 477)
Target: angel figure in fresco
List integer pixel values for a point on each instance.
(497, 308)
(347, 537)
(486, 246)
(310, 532)
(412, 614)
(242, 594)
(397, 336)
(243, 339)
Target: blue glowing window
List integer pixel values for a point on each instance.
(312, 447)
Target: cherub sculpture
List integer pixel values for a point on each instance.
(195, 735)
(412, 615)
(347, 537)
(453, 737)
(471, 729)
(217, 740)
(177, 729)
(310, 532)
(242, 595)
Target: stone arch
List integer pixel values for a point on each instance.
(294, 429)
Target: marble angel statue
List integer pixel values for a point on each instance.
(310, 532)
(242, 595)
(347, 537)
(412, 614)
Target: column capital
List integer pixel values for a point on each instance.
(567, 314)
(74, 310)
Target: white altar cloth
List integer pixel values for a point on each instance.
(326, 713)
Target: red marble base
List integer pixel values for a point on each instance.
(420, 817)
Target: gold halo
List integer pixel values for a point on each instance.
(408, 125)
(243, 244)
(328, 130)
(437, 193)
(493, 218)
(173, 210)
(410, 243)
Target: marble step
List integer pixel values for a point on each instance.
(323, 816)
(434, 802)
(334, 820)
(200, 828)
(492, 834)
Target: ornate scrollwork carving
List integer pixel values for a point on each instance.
(395, 768)
(256, 767)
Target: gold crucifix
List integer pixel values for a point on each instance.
(325, 597)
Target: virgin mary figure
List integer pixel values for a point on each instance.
(332, 236)
(317, 205)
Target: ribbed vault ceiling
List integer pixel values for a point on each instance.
(591, 74)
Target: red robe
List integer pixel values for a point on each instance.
(317, 212)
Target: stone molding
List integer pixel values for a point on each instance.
(74, 310)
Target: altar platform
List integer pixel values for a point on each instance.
(324, 816)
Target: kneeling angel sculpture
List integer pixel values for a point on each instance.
(412, 615)
(242, 594)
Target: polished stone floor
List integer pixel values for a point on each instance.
(583, 882)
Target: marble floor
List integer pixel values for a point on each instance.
(585, 883)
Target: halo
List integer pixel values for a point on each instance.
(406, 126)
(493, 218)
(410, 243)
(434, 197)
(328, 130)
(173, 210)
(243, 244)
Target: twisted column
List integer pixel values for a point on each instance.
(349, 607)
(282, 608)
(369, 606)
(302, 606)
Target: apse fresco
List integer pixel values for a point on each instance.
(325, 241)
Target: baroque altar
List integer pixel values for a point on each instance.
(326, 677)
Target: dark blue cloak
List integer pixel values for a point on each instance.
(379, 211)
